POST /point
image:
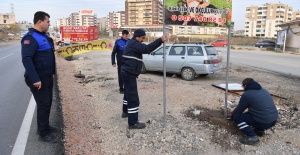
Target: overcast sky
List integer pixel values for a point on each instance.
(24, 9)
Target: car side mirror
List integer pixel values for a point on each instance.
(153, 53)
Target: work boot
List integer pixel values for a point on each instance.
(259, 132)
(124, 115)
(121, 91)
(249, 140)
(138, 125)
(50, 137)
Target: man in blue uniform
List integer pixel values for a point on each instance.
(131, 69)
(262, 112)
(39, 63)
(118, 50)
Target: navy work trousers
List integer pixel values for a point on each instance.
(43, 99)
(245, 120)
(119, 65)
(131, 100)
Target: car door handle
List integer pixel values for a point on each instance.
(182, 57)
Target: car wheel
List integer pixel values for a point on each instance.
(143, 71)
(261, 46)
(224, 45)
(188, 74)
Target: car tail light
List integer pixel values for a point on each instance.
(213, 61)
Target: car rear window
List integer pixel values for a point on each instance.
(195, 51)
(211, 50)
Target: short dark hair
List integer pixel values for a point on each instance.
(40, 15)
(247, 81)
(125, 32)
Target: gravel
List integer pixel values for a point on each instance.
(195, 122)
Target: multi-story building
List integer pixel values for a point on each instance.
(24, 25)
(115, 19)
(101, 22)
(143, 12)
(7, 18)
(84, 17)
(74, 19)
(199, 30)
(261, 20)
(62, 22)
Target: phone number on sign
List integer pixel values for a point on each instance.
(198, 18)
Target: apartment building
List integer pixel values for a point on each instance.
(115, 19)
(7, 18)
(84, 17)
(62, 22)
(262, 21)
(143, 12)
(101, 22)
(199, 30)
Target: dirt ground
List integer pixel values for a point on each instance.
(195, 122)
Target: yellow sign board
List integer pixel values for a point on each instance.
(76, 49)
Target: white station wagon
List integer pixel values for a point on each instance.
(187, 60)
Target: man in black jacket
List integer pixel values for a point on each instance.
(39, 63)
(262, 112)
(118, 50)
(131, 69)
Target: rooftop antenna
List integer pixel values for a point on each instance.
(12, 8)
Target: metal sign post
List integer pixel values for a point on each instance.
(227, 69)
(164, 66)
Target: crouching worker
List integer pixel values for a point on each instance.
(130, 70)
(262, 112)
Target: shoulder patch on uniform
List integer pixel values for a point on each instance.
(26, 42)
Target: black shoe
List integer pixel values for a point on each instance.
(249, 140)
(50, 137)
(121, 91)
(50, 129)
(259, 133)
(124, 115)
(138, 125)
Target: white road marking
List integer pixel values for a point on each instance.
(20, 144)
(6, 56)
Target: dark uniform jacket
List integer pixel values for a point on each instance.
(259, 103)
(118, 49)
(37, 55)
(132, 55)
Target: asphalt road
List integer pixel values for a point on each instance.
(14, 96)
(284, 63)
(14, 100)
